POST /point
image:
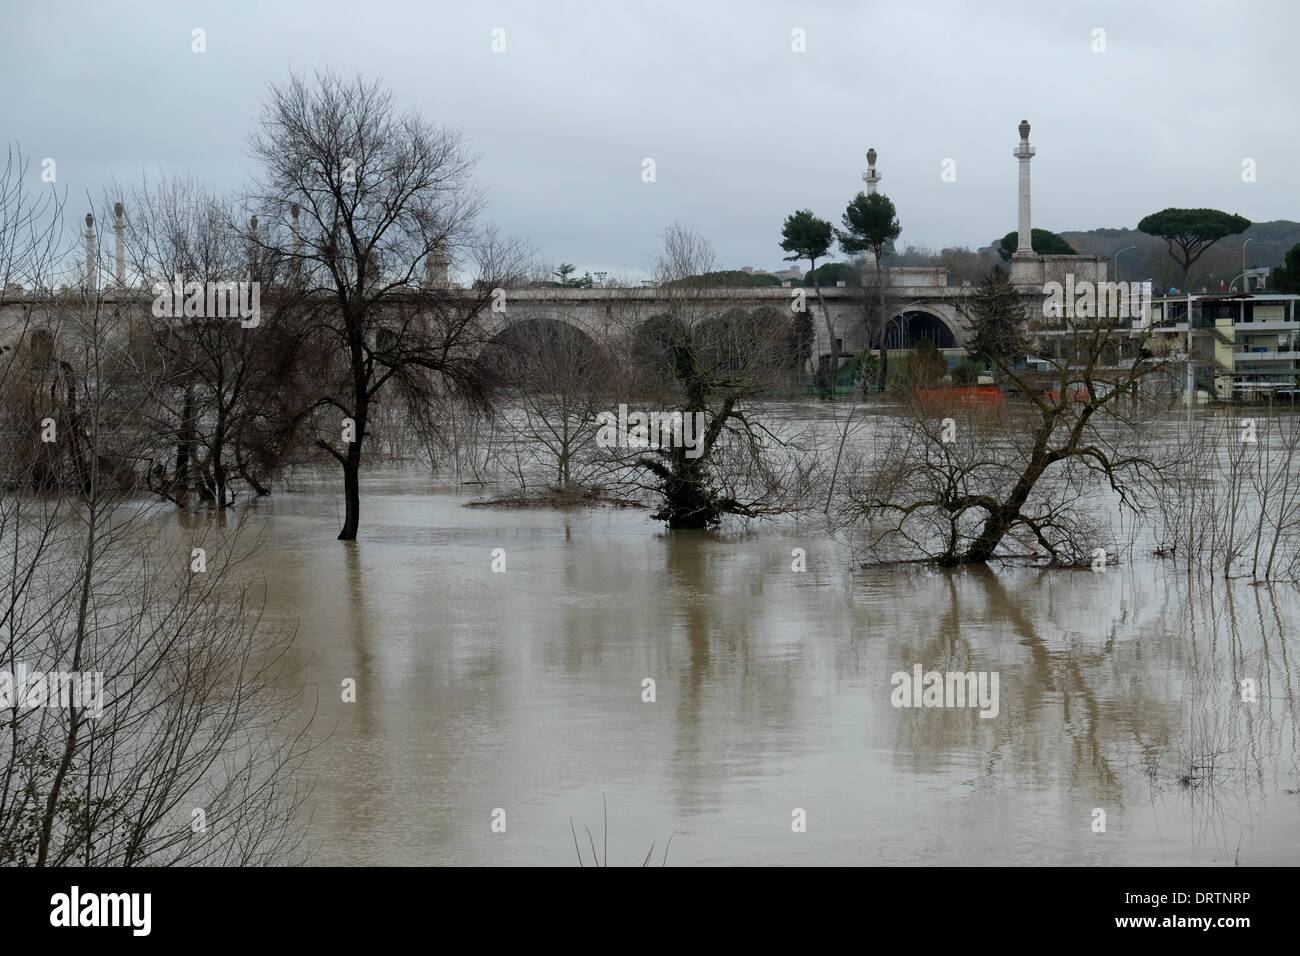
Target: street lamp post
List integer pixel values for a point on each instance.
(902, 329)
(1241, 306)
(902, 314)
(1115, 260)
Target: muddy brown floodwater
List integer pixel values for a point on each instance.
(522, 690)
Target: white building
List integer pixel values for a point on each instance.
(1243, 344)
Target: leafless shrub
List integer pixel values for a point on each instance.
(1232, 495)
(188, 754)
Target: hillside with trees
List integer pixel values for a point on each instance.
(1269, 243)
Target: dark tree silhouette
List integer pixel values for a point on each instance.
(805, 236)
(871, 225)
(1189, 232)
(385, 198)
(1046, 243)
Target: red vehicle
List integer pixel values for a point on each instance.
(984, 396)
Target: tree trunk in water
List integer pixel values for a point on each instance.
(361, 415)
(689, 502)
(216, 459)
(999, 522)
(185, 448)
(219, 480)
(245, 471)
(995, 528)
(688, 506)
(351, 492)
(564, 452)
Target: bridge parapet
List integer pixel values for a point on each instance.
(611, 312)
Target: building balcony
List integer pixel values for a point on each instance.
(1269, 325)
(1265, 356)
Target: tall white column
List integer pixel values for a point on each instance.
(872, 179)
(437, 268)
(1024, 152)
(92, 273)
(119, 235)
(252, 248)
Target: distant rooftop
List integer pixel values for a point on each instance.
(1226, 296)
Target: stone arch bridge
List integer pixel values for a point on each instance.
(922, 306)
(919, 310)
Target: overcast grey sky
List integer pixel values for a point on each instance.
(742, 129)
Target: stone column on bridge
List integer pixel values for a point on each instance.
(92, 272)
(119, 233)
(1024, 261)
(252, 248)
(436, 268)
(872, 179)
(1024, 152)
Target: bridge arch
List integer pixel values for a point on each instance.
(591, 321)
(733, 337)
(909, 327)
(540, 351)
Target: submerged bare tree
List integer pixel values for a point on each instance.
(33, 384)
(366, 206)
(560, 380)
(142, 720)
(221, 374)
(710, 365)
(1232, 501)
(1022, 478)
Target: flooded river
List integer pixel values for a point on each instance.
(522, 690)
